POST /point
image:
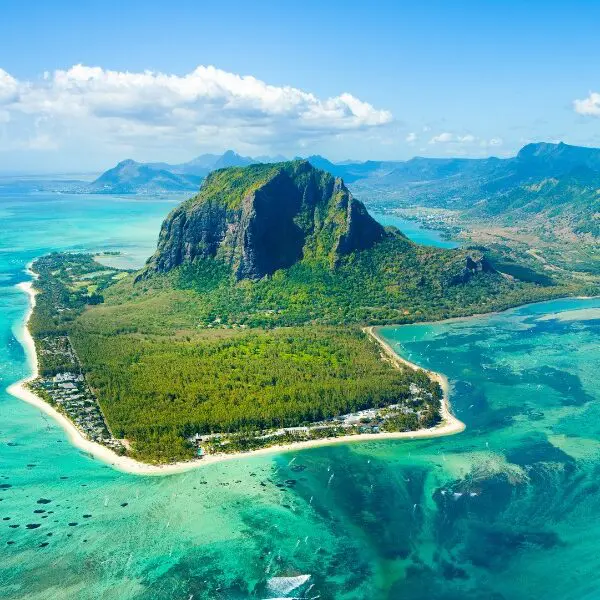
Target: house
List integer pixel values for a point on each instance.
(67, 386)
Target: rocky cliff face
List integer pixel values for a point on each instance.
(474, 263)
(262, 218)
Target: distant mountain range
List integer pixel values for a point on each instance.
(544, 182)
(130, 177)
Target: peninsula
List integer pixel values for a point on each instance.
(244, 331)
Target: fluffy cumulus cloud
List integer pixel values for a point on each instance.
(589, 106)
(8, 88)
(207, 107)
(452, 138)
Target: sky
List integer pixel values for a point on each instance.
(86, 84)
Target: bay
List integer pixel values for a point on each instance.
(415, 231)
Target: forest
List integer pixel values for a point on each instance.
(161, 375)
(154, 389)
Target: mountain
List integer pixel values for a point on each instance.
(231, 159)
(133, 177)
(544, 185)
(353, 171)
(263, 218)
(201, 165)
(293, 227)
(558, 158)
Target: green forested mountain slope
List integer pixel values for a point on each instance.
(552, 184)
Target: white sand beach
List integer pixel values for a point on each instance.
(450, 424)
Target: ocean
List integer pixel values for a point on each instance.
(509, 509)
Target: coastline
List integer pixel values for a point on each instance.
(450, 425)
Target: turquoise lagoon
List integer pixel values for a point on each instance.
(508, 509)
(415, 231)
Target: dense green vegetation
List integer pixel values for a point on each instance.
(58, 300)
(229, 186)
(66, 284)
(394, 282)
(187, 352)
(155, 388)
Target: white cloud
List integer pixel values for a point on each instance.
(589, 106)
(8, 88)
(452, 138)
(492, 143)
(442, 138)
(208, 104)
(411, 137)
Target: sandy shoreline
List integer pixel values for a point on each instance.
(450, 424)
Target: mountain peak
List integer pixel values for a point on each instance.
(541, 149)
(559, 159)
(231, 159)
(128, 162)
(264, 217)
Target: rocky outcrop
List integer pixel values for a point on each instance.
(262, 218)
(474, 263)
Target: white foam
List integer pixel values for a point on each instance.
(284, 585)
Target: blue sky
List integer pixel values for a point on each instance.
(344, 79)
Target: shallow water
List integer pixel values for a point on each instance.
(415, 231)
(508, 509)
